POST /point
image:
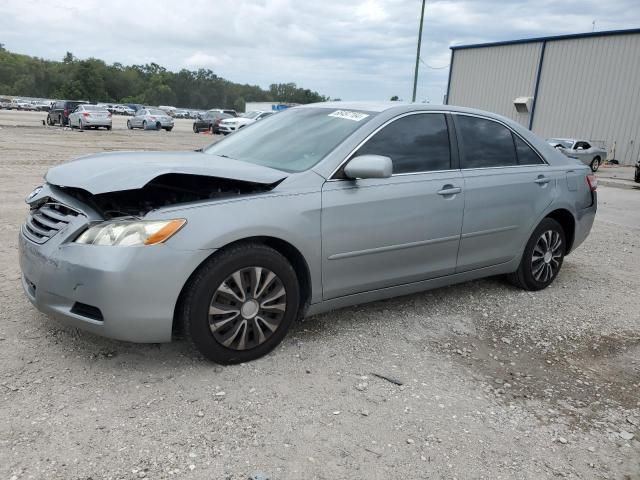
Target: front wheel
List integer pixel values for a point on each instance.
(195, 129)
(595, 164)
(542, 257)
(144, 124)
(240, 304)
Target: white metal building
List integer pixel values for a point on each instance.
(576, 86)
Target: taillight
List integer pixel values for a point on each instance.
(152, 118)
(592, 181)
(109, 114)
(66, 112)
(86, 114)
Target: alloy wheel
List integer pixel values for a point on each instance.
(247, 308)
(547, 255)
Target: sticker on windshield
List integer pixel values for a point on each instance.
(355, 116)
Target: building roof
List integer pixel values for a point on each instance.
(606, 33)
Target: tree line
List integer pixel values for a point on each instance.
(151, 84)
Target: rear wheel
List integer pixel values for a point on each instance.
(158, 126)
(168, 129)
(144, 124)
(195, 129)
(595, 164)
(240, 303)
(542, 257)
(60, 120)
(129, 126)
(80, 125)
(108, 127)
(49, 122)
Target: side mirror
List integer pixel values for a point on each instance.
(369, 166)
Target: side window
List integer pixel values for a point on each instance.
(485, 143)
(526, 156)
(415, 143)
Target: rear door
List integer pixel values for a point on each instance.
(507, 187)
(378, 233)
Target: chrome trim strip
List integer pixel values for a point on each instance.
(390, 248)
(489, 232)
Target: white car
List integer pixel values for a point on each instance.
(581, 150)
(230, 125)
(150, 119)
(90, 116)
(123, 110)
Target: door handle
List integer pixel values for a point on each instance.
(542, 180)
(449, 190)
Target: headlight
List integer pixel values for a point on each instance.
(35, 192)
(131, 233)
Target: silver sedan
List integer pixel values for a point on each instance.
(150, 119)
(319, 207)
(90, 116)
(582, 150)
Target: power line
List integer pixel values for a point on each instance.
(433, 68)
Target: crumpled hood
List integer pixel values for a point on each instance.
(116, 171)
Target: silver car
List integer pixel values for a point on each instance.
(90, 116)
(582, 150)
(319, 207)
(150, 119)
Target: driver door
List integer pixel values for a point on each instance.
(382, 232)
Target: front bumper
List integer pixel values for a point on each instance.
(222, 128)
(132, 291)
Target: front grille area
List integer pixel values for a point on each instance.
(47, 220)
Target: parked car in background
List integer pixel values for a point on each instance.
(179, 113)
(5, 103)
(150, 119)
(228, 111)
(41, 105)
(316, 208)
(581, 150)
(123, 110)
(25, 105)
(230, 125)
(209, 121)
(60, 111)
(90, 116)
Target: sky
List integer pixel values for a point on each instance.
(352, 50)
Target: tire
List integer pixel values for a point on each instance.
(80, 125)
(108, 127)
(537, 273)
(195, 129)
(129, 126)
(60, 120)
(240, 261)
(158, 126)
(636, 177)
(595, 164)
(144, 124)
(168, 129)
(49, 122)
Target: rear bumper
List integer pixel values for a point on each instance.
(97, 122)
(584, 222)
(132, 291)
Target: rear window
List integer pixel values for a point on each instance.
(94, 108)
(156, 111)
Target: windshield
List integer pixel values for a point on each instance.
(293, 140)
(560, 141)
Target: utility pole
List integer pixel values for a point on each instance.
(415, 75)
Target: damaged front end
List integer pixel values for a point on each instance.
(166, 190)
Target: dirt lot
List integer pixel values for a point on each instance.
(497, 383)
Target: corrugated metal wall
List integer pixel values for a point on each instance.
(589, 87)
(492, 78)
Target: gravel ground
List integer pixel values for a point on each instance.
(482, 380)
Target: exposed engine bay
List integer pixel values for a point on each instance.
(166, 190)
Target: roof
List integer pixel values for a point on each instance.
(372, 106)
(606, 33)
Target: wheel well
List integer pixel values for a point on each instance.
(291, 253)
(568, 224)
